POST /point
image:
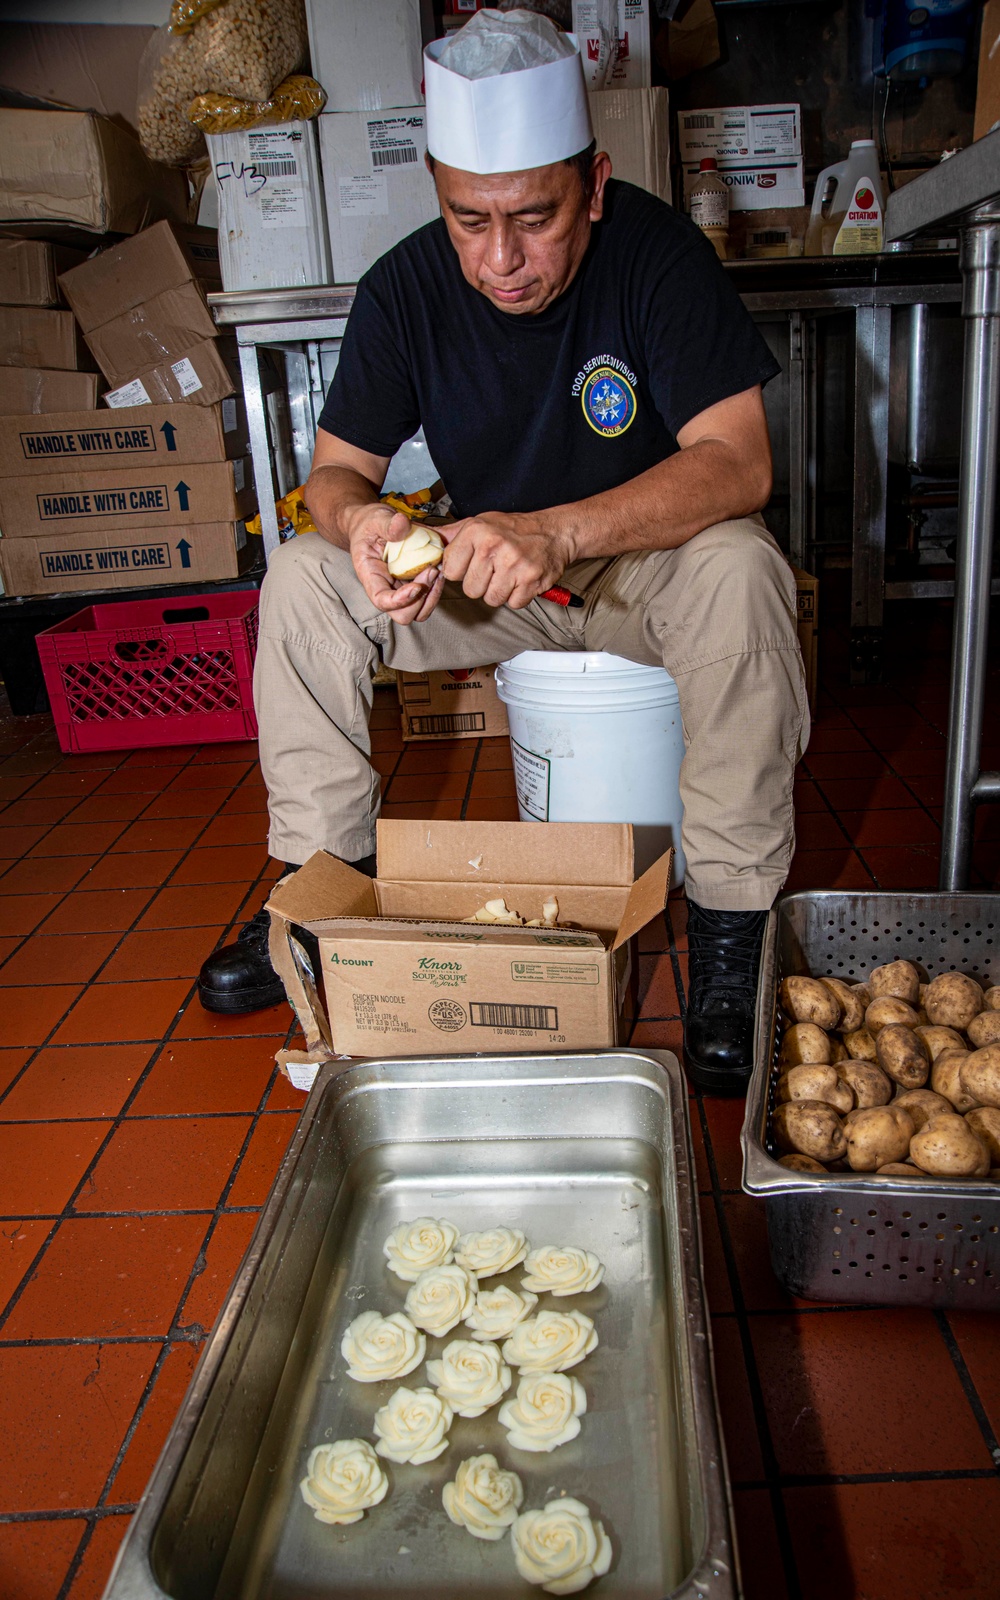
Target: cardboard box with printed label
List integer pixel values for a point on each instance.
(29, 268)
(204, 374)
(623, 61)
(24, 390)
(152, 334)
(272, 216)
(126, 497)
(403, 973)
(33, 337)
(137, 436)
(77, 169)
(369, 56)
(451, 705)
(377, 185)
(758, 150)
(57, 564)
(633, 126)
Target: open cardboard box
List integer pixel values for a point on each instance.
(404, 974)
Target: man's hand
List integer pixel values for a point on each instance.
(506, 559)
(373, 527)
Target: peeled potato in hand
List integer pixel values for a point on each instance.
(422, 548)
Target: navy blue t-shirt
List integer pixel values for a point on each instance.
(525, 412)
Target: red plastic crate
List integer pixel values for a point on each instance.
(136, 673)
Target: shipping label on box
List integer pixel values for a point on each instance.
(463, 704)
(205, 373)
(268, 179)
(96, 561)
(377, 185)
(158, 331)
(133, 437)
(39, 390)
(126, 498)
(614, 60)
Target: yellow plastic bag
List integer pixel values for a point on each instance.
(293, 517)
(185, 13)
(297, 99)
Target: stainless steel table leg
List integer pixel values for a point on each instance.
(798, 425)
(872, 328)
(260, 446)
(964, 785)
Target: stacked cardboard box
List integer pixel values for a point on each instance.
(272, 218)
(41, 352)
(758, 150)
(116, 500)
(142, 307)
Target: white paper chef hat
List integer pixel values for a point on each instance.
(505, 94)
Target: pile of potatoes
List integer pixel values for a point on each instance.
(893, 1076)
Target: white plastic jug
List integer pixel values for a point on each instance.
(595, 738)
(848, 205)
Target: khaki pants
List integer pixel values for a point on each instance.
(718, 613)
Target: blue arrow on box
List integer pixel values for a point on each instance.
(185, 552)
(183, 490)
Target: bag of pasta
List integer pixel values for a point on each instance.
(298, 99)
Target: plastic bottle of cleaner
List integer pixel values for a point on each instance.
(709, 205)
(848, 222)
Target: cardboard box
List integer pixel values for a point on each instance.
(807, 602)
(433, 984)
(633, 126)
(126, 497)
(81, 170)
(369, 56)
(377, 186)
(451, 705)
(31, 337)
(137, 436)
(28, 270)
(988, 86)
(94, 561)
(122, 278)
(204, 374)
(630, 63)
(27, 390)
(758, 150)
(152, 334)
(272, 216)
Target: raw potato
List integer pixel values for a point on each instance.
(860, 1045)
(903, 1055)
(948, 1148)
(851, 1004)
(899, 979)
(838, 1051)
(797, 1163)
(952, 1000)
(946, 1079)
(884, 1012)
(870, 1085)
(991, 999)
(938, 1039)
(811, 1129)
(422, 548)
(809, 1000)
(864, 994)
(984, 1029)
(900, 1169)
(816, 1082)
(980, 1076)
(803, 1042)
(985, 1124)
(877, 1136)
(922, 1104)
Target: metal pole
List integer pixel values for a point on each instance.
(980, 264)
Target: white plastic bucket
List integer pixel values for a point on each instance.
(595, 738)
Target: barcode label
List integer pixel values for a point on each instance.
(771, 236)
(277, 169)
(457, 722)
(493, 1014)
(399, 157)
(699, 119)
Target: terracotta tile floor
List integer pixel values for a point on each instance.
(139, 1137)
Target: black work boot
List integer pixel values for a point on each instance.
(239, 978)
(723, 966)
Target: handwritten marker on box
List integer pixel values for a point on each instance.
(561, 597)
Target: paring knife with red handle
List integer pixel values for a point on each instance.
(561, 596)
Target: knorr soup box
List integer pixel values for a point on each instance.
(402, 972)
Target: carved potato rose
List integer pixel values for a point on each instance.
(551, 1341)
(491, 1252)
(376, 1347)
(343, 1481)
(545, 1412)
(440, 1298)
(560, 1548)
(497, 1312)
(484, 1498)
(413, 1426)
(562, 1269)
(414, 1246)
(471, 1377)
